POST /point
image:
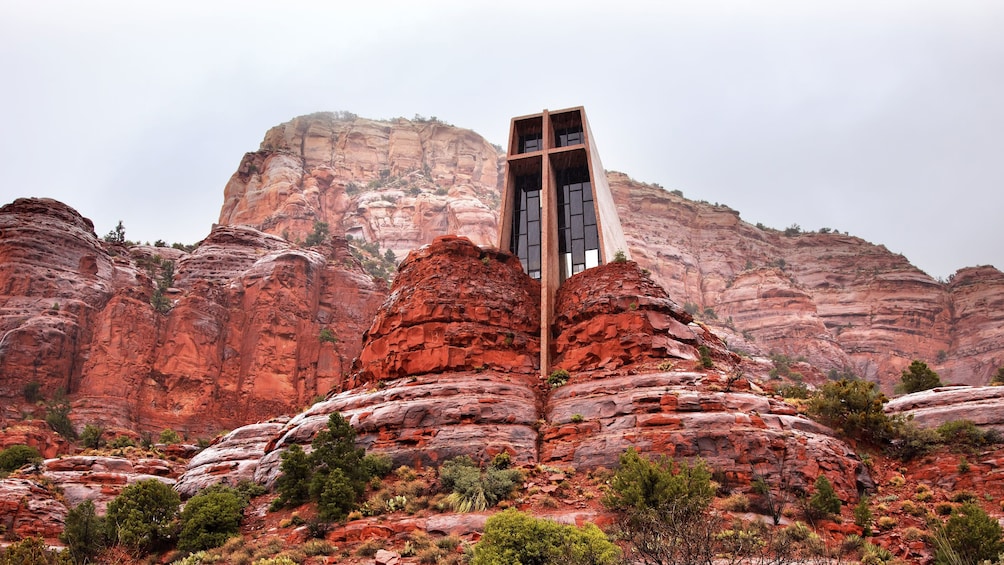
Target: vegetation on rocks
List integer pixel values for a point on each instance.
(514, 537)
(471, 489)
(917, 377)
(142, 516)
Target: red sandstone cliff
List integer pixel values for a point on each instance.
(239, 340)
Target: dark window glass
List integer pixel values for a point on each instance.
(530, 142)
(568, 136)
(526, 224)
(578, 237)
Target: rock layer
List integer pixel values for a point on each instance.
(239, 338)
(981, 405)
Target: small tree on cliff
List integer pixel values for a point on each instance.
(917, 377)
(116, 235)
(334, 474)
(854, 408)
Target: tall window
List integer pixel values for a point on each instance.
(526, 224)
(578, 238)
(530, 142)
(568, 136)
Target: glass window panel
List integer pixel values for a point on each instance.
(592, 258)
(576, 203)
(578, 251)
(568, 264)
(587, 191)
(577, 228)
(592, 238)
(534, 260)
(533, 238)
(588, 213)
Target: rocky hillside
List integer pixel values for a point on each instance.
(841, 302)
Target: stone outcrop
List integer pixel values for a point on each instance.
(839, 301)
(231, 458)
(644, 390)
(455, 306)
(101, 478)
(423, 178)
(29, 509)
(981, 405)
(251, 327)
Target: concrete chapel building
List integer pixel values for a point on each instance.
(558, 215)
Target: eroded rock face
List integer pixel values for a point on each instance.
(593, 420)
(240, 339)
(981, 405)
(100, 478)
(455, 307)
(232, 458)
(836, 299)
(28, 509)
(424, 179)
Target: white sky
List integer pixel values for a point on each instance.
(884, 119)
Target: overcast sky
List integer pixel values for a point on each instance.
(884, 119)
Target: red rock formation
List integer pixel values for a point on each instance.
(241, 340)
(836, 299)
(455, 306)
(426, 179)
(100, 479)
(29, 509)
(982, 405)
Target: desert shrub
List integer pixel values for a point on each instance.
(917, 377)
(824, 501)
(863, 514)
(969, 536)
(620, 256)
(872, 554)
(662, 507)
(943, 508)
(83, 533)
(334, 475)
(961, 433)
(911, 441)
(142, 516)
(317, 236)
(706, 361)
(998, 378)
(32, 391)
(326, 335)
(169, 436)
(514, 537)
(17, 456)
(886, 523)
(962, 496)
(737, 503)
(293, 483)
(32, 551)
(472, 489)
(211, 517)
(853, 408)
(57, 415)
(121, 442)
(91, 436)
(557, 378)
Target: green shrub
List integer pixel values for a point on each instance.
(961, 433)
(557, 378)
(853, 408)
(17, 456)
(917, 377)
(327, 335)
(121, 442)
(83, 533)
(91, 437)
(32, 391)
(169, 436)
(514, 537)
(334, 475)
(863, 514)
(706, 361)
(211, 517)
(142, 516)
(998, 378)
(620, 256)
(662, 508)
(57, 415)
(911, 441)
(969, 536)
(473, 490)
(320, 232)
(32, 551)
(824, 501)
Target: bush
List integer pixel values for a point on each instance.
(32, 391)
(961, 433)
(473, 490)
(31, 551)
(57, 415)
(917, 377)
(17, 456)
(514, 537)
(211, 517)
(662, 508)
(969, 536)
(320, 232)
(142, 516)
(863, 515)
(620, 256)
(91, 436)
(853, 408)
(824, 501)
(998, 378)
(557, 378)
(706, 360)
(334, 474)
(83, 533)
(169, 436)
(911, 441)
